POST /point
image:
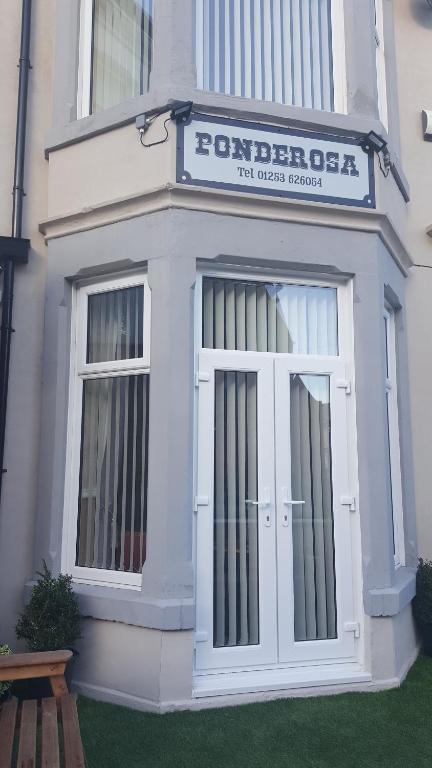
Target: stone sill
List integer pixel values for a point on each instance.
(389, 601)
(128, 606)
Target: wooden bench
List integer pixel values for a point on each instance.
(60, 710)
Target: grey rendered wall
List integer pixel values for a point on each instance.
(188, 237)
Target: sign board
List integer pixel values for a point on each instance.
(267, 160)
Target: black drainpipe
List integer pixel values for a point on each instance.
(14, 249)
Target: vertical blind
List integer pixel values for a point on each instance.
(112, 503)
(313, 537)
(273, 50)
(113, 479)
(236, 598)
(269, 317)
(122, 51)
(115, 325)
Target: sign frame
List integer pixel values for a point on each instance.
(184, 178)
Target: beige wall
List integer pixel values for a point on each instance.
(109, 168)
(21, 455)
(137, 667)
(414, 48)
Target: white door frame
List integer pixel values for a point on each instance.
(352, 522)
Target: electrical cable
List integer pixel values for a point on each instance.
(386, 170)
(155, 143)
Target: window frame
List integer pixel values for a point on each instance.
(85, 50)
(81, 371)
(85, 55)
(391, 398)
(340, 86)
(344, 319)
(381, 63)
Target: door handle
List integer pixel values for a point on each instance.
(263, 504)
(288, 503)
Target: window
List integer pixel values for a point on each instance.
(108, 432)
(287, 51)
(392, 422)
(381, 63)
(269, 317)
(116, 39)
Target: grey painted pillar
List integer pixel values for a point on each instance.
(375, 511)
(391, 75)
(52, 457)
(173, 51)
(168, 571)
(361, 57)
(66, 49)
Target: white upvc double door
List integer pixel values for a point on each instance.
(274, 571)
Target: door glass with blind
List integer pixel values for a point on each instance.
(273, 534)
(271, 50)
(112, 398)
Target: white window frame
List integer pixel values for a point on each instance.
(85, 50)
(339, 57)
(85, 58)
(381, 63)
(391, 393)
(80, 371)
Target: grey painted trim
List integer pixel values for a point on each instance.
(392, 600)
(101, 122)
(220, 202)
(127, 606)
(212, 103)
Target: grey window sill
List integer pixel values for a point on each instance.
(127, 606)
(392, 600)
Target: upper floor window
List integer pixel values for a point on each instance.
(115, 52)
(286, 51)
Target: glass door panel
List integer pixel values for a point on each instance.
(236, 525)
(315, 582)
(236, 550)
(312, 521)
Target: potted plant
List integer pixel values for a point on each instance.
(5, 687)
(422, 604)
(51, 620)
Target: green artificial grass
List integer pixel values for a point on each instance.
(388, 729)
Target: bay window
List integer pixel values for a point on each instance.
(108, 432)
(286, 51)
(115, 52)
(392, 436)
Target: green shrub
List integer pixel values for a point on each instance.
(422, 603)
(51, 620)
(4, 687)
